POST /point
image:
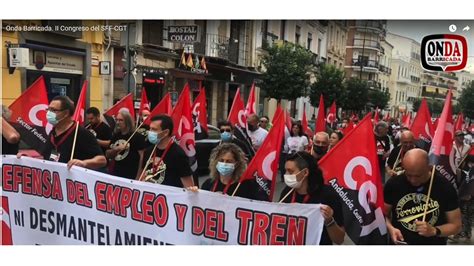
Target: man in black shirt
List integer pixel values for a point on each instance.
(59, 144)
(405, 197)
(98, 128)
(394, 161)
(10, 137)
(165, 162)
(127, 157)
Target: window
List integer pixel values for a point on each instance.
(153, 32)
(319, 47)
(297, 34)
(310, 40)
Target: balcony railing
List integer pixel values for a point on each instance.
(449, 76)
(370, 24)
(415, 56)
(415, 79)
(374, 84)
(437, 84)
(223, 47)
(367, 43)
(385, 69)
(365, 63)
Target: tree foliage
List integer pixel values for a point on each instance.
(466, 101)
(379, 99)
(329, 82)
(288, 69)
(356, 94)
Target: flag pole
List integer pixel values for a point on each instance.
(147, 163)
(128, 140)
(286, 196)
(237, 188)
(74, 141)
(429, 193)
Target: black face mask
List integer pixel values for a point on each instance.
(251, 127)
(320, 150)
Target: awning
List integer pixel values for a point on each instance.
(179, 73)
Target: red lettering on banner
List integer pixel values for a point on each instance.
(160, 209)
(37, 175)
(136, 215)
(100, 201)
(198, 221)
(46, 184)
(147, 199)
(57, 192)
(16, 177)
(112, 194)
(7, 177)
(260, 225)
(296, 231)
(277, 232)
(244, 216)
(180, 210)
(77, 192)
(222, 235)
(125, 201)
(210, 223)
(26, 186)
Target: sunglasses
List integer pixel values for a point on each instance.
(225, 130)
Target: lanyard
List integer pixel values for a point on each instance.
(155, 166)
(293, 198)
(97, 125)
(225, 188)
(66, 134)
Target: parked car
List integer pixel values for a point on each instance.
(204, 148)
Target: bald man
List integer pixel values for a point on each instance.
(320, 145)
(256, 133)
(394, 161)
(405, 196)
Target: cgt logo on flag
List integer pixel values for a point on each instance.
(6, 227)
(444, 52)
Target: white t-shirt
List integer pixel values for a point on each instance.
(295, 144)
(257, 137)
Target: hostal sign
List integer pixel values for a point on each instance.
(183, 34)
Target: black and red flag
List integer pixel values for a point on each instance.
(351, 169)
(422, 127)
(441, 151)
(263, 167)
(28, 115)
(200, 115)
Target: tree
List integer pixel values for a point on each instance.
(329, 82)
(466, 101)
(378, 98)
(288, 68)
(356, 94)
(416, 105)
(435, 106)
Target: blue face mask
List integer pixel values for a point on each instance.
(153, 137)
(52, 118)
(226, 136)
(225, 169)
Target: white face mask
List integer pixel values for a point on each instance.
(291, 181)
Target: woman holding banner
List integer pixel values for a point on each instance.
(226, 165)
(305, 185)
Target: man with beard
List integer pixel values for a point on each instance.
(320, 145)
(394, 161)
(383, 145)
(98, 128)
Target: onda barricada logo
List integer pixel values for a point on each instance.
(444, 52)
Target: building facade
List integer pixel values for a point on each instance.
(337, 39)
(464, 80)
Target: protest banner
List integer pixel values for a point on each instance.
(48, 204)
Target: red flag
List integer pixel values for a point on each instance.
(331, 118)
(163, 107)
(387, 117)
(264, 165)
(288, 120)
(237, 111)
(6, 222)
(320, 121)
(376, 116)
(304, 124)
(351, 168)
(422, 127)
(144, 103)
(125, 103)
(459, 122)
(183, 127)
(251, 107)
(200, 114)
(30, 110)
(406, 120)
(435, 124)
(81, 105)
(443, 137)
(348, 128)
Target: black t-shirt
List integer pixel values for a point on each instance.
(8, 148)
(326, 196)
(172, 168)
(128, 167)
(101, 132)
(393, 157)
(143, 130)
(408, 204)
(248, 189)
(86, 145)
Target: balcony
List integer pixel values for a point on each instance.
(415, 79)
(415, 56)
(448, 76)
(374, 84)
(220, 46)
(437, 84)
(366, 44)
(373, 24)
(385, 69)
(437, 94)
(366, 65)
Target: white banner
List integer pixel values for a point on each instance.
(45, 203)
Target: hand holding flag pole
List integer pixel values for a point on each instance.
(78, 116)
